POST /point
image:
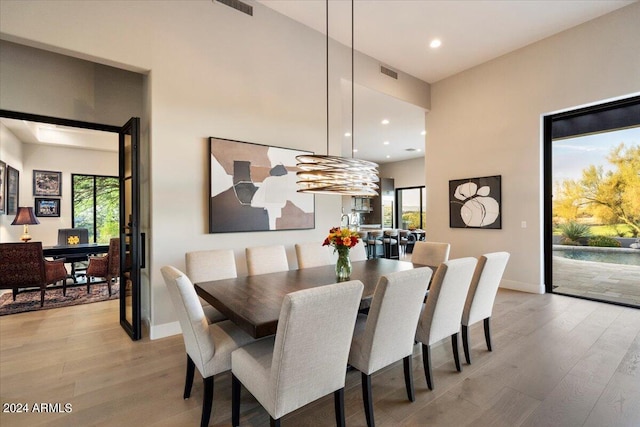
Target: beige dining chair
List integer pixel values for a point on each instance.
(387, 333)
(208, 346)
(430, 253)
(482, 295)
(312, 254)
(442, 312)
(307, 358)
(207, 265)
(266, 259)
(358, 252)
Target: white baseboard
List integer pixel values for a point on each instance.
(523, 287)
(164, 330)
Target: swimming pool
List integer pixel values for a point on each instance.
(606, 255)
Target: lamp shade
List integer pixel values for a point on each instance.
(25, 216)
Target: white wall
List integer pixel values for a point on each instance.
(487, 121)
(11, 154)
(407, 173)
(212, 71)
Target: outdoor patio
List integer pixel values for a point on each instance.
(608, 282)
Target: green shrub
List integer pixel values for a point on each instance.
(572, 232)
(604, 242)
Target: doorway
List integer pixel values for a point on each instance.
(592, 214)
(131, 247)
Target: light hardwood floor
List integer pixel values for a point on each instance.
(557, 361)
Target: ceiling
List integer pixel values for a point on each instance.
(398, 33)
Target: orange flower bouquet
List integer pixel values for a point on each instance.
(342, 239)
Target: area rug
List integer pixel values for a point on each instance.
(53, 298)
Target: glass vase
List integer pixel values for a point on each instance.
(343, 265)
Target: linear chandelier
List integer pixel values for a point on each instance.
(333, 174)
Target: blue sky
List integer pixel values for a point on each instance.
(572, 155)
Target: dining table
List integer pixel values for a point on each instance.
(253, 302)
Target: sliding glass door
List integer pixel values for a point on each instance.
(411, 207)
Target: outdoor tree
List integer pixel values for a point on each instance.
(613, 196)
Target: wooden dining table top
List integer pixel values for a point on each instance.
(253, 302)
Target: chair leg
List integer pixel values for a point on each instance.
(88, 284)
(109, 278)
(235, 401)
(367, 398)
(454, 346)
(42, 297)
(274, 423)
(408, 378)
(487, 332)
(188, 382)
(207, 401)
(338, 398)
(426, 362)
(465, 344)
(64, 287)
(15, 293)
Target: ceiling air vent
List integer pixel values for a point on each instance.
(238, 5)
(389, 72)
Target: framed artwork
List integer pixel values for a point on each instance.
(47, 183)
(475, 202)
(47, 207)
(13, 188)
(3, 178)
(252, 187)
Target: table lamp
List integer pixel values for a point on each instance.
(25, 217)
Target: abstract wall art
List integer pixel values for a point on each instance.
(253, 188)
(475, 203)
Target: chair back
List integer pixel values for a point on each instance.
(21, 265)
(195, 328)
(312, 343)
(484, 286)
(72, 236)
(358, 252)
(392, 320)
(430, 253)
(312, 254)
(114, 257)
(447, 295)
(266, 259)
(204, 266)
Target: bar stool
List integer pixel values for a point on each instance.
(391, 244)
(373, 242)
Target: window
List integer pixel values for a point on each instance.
(96, 205)
(411, 207)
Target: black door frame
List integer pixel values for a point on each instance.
(584, 120)
(134, 331)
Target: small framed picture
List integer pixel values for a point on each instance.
(47, 183)
(47, 207)
(3, 174)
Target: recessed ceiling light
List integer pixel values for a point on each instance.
(385, 122)
(435, 43)
(386, 143)
(355, 150)
(418, 150)
(424, 132)
(388, 156)
(347, 134)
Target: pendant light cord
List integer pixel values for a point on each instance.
(327, 52)
(353, 111)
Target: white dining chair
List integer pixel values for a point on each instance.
(387, 333)
(307, 358)
(430, 253)
(208, 346)
(482, 295)
(266, 259)
(207, 265)
(358, 252)
(312, 254)
(442, 312)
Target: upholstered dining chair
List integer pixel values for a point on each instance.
(442, 312)
(207, 265)
(358, 252)
(387, 333)
(430, 253)
(307, 358)
(312, 254)
(22, 265)
(266, 259)
(481, 296)
(208, 346)
(107, 266)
